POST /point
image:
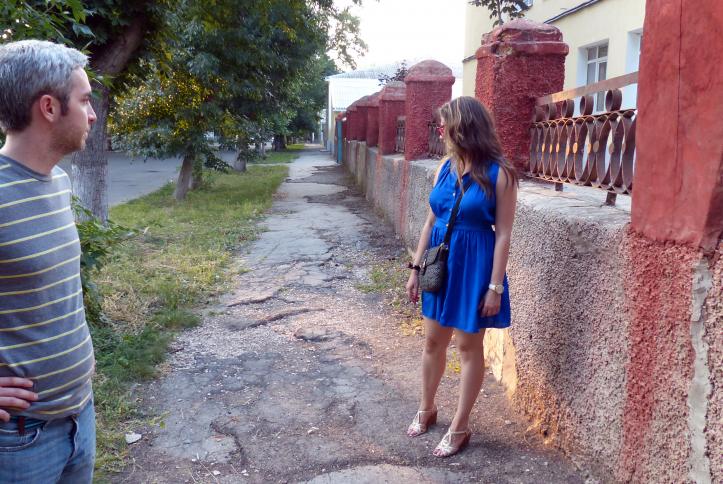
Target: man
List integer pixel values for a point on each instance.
(47, 421)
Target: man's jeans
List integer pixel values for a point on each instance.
(60, 450)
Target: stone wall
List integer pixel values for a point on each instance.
(566, 360)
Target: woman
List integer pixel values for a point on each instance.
(475, 296)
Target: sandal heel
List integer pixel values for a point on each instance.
(417, 427)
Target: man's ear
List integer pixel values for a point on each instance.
(49, 107)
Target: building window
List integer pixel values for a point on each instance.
(597, 67)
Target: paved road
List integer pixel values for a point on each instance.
(131, 178)
(300, 375)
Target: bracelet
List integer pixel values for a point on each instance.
(413, 267)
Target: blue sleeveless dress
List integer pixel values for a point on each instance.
(471, 251)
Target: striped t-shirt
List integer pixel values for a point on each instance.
(43, 333)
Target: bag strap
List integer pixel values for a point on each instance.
(453, 216)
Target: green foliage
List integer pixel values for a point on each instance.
(58, 20)
(97, 241)
(270, 82)
(499, 9)
(399, 74)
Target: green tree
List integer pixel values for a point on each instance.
(235, 68)
(500, 8)
(112, 33)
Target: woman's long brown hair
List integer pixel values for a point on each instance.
(470, 137)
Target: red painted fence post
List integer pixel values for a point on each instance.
(362, 106)
(352, 117)
(518, 62)
(429, 85)
(372, 134)
(678, 194)
(391, 106)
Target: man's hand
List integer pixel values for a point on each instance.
(14, 396)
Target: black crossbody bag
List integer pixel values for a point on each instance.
(433, 273)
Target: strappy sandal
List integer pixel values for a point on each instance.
(417, 427)
(445, 447)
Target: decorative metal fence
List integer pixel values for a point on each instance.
(399, 144)
(589, 149)
(436, 145)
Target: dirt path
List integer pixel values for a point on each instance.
(300, 376)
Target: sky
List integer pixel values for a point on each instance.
(410, 29)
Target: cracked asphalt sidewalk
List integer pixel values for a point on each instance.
(299, 376)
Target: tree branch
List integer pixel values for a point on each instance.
(114, 57)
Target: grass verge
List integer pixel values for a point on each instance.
(153, 283)
(287, 156)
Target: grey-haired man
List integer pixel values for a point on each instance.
(47, 422)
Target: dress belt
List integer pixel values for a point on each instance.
(442, 224)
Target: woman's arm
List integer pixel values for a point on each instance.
(506, 194)
(413, 282)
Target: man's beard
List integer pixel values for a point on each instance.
(67, 143)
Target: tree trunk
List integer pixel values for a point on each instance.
(184, 177)
(261, 149)
(197, 174)
(239, 163)
(89, 168)
(279, 142)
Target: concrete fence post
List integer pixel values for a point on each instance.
(429, 86)
(391, 106)
(372, 134)
(518, 62)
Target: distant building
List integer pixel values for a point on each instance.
(604, 38)
(347, 87)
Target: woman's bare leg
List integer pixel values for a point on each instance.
(434, 360)
(471, 354)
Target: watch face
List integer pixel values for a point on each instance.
(499, 289)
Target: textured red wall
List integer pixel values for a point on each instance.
(658, 283)
(372, 134)
(679, 166)
(391, 106)
(518, 62)
(429, 85)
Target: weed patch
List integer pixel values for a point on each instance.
(389, 279)
(152, 285)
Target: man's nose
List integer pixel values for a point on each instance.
(91, 116)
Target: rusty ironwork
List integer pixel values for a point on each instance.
(436, 145)
(589, 149)
(399, 144)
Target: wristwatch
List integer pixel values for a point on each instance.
(498, 288)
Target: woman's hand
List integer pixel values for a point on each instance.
(413, 287)
(490, 305)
